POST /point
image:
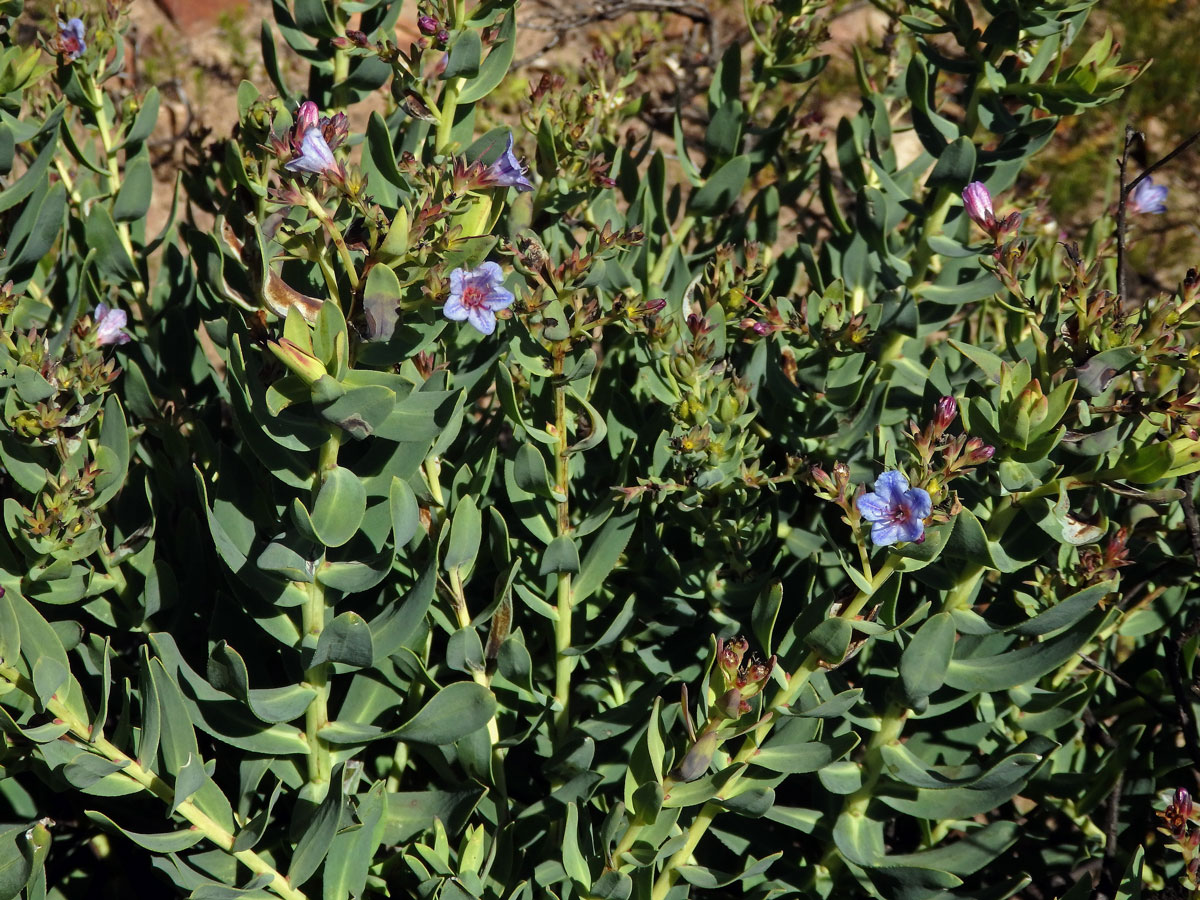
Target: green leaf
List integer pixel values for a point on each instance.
(16, 859)
(572, 858)
(314, 844)
(464, 57)
(466, 531)
(137, 190)
(1024, 665)
(340, 507)
(954, 167)
(454, 712)
(410, 813)
(399, 621)
(347, 640)
(722, 189)
(830, 639)
(603, 553)
(560, 556)
(353, 850)
(105, 243)
(780, 755)
(170, 842)
(495, 67)
(145, 120)
(925, 660)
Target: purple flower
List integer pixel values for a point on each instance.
(312, 141)
(507, 171)
(315, 156)
(476, 295)
(978, 202)
(70, 38)
(110, 325)
(895, 511)
(1148, 197)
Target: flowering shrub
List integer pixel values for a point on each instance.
(531, 496)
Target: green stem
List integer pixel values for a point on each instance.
(782, 700)
(448, 105)
(564, 664)
(316, 717)
(152, 783)
(335, 235)
(112, 181)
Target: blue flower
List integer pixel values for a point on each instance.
(896, 511)
(476, 295)
(70, 38)
(315, 156)
(507, 170)
(1148, 197)
(110, 325)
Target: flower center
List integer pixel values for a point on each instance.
(900, 515)
(473, 296)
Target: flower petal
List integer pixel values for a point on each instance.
(498, 298)
(885, 533)
(484, 320)
(873, 507)
(918, 503)
(891, 485)
(489, 272)
(912, 530)
(454, 309)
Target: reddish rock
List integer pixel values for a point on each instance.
(191, 15)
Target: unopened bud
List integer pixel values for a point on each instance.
(1183, 802)
(696, 762)
(307, 367)
(978, 451)
(729, 704)
(428, 25)
(944, 412)
(978, 202)
(443, 36)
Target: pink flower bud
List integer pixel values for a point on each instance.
(1183, 802)
(978, 451)
(428, 25)
(978, 203)
(944, 412)
(306, 117)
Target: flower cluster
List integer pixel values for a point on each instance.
(311, 142)
(1177, 822)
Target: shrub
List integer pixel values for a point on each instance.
(496, 503)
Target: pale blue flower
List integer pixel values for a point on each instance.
(70, 38)
(507, 170)
(476, 295)
(895, 511)
(110, 325)
(315, 156)
(1148, 197)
